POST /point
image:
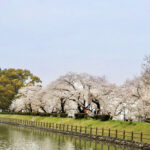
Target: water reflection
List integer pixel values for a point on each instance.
(17, 138)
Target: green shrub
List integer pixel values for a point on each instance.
(97, 117)
(104, 117)
(81, 116)
(44, 114)
(34, 114)
(147, 120)
(24, 113)
(27, 113)
(63, 115)
(54, 114)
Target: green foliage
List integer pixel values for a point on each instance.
(11, 80)
(147, 120)
(43, 114)
(54, 114)
(97, 117)
(28, 113)
(102, 117)
(105, 117)
(81, 116)
(63, 115)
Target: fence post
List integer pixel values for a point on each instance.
(102, 131)
(124, 134)
(132, 136)
(71, 128)
(90, 131)
(80, 129)
(67, 127)
(116, 134)
(141, 138)
(109, 132)
(85, 130)
(96, 131)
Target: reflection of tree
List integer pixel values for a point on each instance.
(80, 144)
(59, 143)
(47, 141)
(85, 144)
(95, 146)
(75, 144)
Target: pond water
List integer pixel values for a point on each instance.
(19, 138)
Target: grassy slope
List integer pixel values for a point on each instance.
(119, 125)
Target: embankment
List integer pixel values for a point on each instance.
(115, 125)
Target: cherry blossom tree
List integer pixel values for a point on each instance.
(75, 93)
(25, 100)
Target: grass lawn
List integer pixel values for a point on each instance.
(119, 125)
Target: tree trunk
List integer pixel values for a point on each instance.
(43, 109)
(30, 108)
(95, 101)
(63, 105)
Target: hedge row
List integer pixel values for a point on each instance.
(81, 116)
(97, 117)
(64, 115)
(102, 117)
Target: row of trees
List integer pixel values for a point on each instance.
(74, 93)
(20, 91)
(70, 93)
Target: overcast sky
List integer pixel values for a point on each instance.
(53, 37)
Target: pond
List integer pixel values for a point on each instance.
(19, 138)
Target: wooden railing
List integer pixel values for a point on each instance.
(90, 131)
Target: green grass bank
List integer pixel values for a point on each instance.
(116, 125)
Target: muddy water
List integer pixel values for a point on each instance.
(18, 138)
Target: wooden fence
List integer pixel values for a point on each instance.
(123, 135)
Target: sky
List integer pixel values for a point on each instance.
(53, 37)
